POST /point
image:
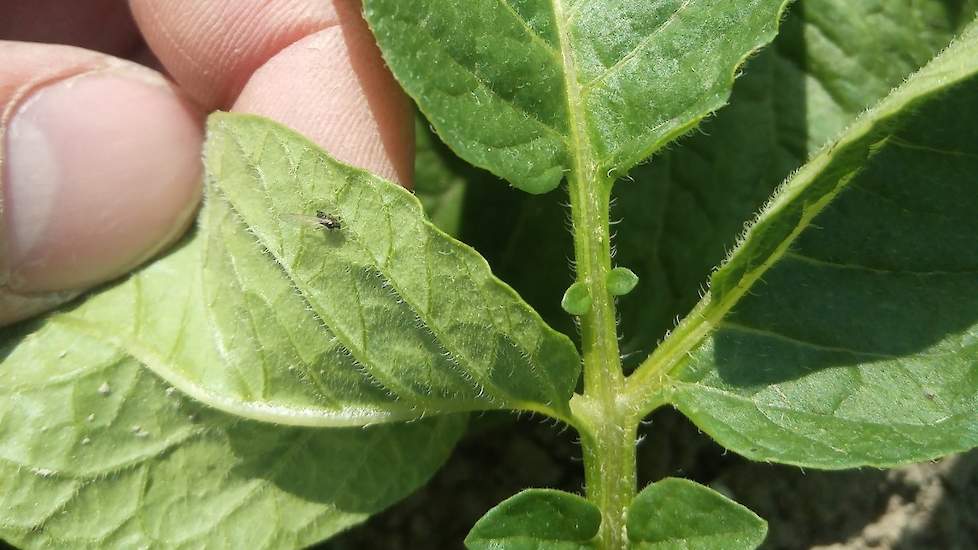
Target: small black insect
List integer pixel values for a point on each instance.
(329, 222)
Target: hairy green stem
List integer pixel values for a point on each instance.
(608, 443)
(603, 378)
(607, 430)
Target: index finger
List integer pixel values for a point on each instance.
(312, 66)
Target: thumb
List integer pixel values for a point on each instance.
(99, 165)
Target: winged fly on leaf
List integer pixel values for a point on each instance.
(329, 222)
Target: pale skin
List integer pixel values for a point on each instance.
(100, 159)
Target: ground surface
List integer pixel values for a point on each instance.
(922, 507)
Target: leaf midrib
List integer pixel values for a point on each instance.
(266, 413)
(582, 150)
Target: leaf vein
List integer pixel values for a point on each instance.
(638, 47)
(802, 258)
(537, 37)
(740, 327)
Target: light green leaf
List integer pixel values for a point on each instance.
(537, 519)
(98, 452)
(677, 514)
(385, 318)
(576, 300)
(621, 281)
(842, 331)
(533, 88)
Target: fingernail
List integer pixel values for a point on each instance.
(98, 171)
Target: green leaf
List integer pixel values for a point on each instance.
(621, 281)
(832, 60)
(508, 226)
(672, 513)
(576, 300)
(842, 331)
(386, 318)
(531, 89)
(682, 515)
(853, 54)
(97, 452)
(682, 215)
(439, 180)
(505, 226)
(537, 519)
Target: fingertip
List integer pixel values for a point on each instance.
(333, 87)
(16, 307)
(312, 65)
(100, 171)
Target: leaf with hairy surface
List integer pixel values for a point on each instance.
(386, 318)
(533, 89)
(681, 216)
(537, 519)
(683, 212)
(842, 331)
(98, 452)
(678, 514)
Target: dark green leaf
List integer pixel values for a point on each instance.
(842, 331)
(537, 519)
(686, 207)
(530, 89)
(440, 180)
(677, 514)
(832, 60)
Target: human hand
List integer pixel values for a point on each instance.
(100, 157)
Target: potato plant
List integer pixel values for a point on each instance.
(308, 354)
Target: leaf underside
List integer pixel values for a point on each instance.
(386, 318)
(380, 318)
(98, 452)
(102, 453)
